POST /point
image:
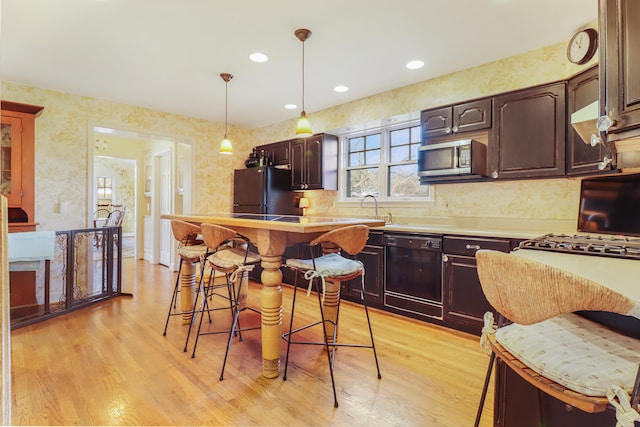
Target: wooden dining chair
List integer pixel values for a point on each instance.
(327, 271)
(540, 337)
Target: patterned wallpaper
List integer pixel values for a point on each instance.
(63, 132)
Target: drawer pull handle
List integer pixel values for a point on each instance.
(475, 247)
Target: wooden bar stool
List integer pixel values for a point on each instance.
(190, 250)
(228, 254)
(327, 271)
(575, 360)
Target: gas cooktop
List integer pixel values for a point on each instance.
(609, 246)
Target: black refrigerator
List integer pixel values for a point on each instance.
(263, 190)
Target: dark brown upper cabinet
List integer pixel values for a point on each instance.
(583, 158)
(314, 163)
(279, 153)
(528, 135)
(620, 67)
(445, 121)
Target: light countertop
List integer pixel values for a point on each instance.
(482, 227)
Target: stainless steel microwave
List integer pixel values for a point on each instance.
(463, 157)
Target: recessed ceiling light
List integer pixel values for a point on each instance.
(290, 106)
(258, 57)
(341, 88)
(415, 64)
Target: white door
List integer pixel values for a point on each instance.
(166, 238)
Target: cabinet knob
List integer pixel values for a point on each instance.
(604, 123)
(494, 174)
(606, 161)
(595, 140)
(447, 130)
(455, 129)
(474, 247)
(445, 258)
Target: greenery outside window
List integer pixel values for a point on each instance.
(383, 162)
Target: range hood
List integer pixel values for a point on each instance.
(584, 122)
(625, 151)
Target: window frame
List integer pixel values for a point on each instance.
(383, 166)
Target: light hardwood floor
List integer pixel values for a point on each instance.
(110, 365)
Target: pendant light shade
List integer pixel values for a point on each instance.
(225, 146)
(303, 129)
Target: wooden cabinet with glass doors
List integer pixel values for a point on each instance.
(16, 163)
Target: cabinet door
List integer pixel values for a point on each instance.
(620, 64)
(582, 158)
(528, 134)
(436, 122)
(473, 115)
(313, 163)
(519, 404)
(298, 180)
(279, 153)
(11, 160)
(372, 257)
(465, 303)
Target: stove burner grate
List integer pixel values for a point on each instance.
(610, 246)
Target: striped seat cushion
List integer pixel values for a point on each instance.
(192, 252)
(228, 258)
(580, 354)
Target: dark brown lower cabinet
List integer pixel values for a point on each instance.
(464, 302)
(372, 258)
(519, 404)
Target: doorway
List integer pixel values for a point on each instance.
(157, 186)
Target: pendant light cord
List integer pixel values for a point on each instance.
(303, 78)
(226, 107)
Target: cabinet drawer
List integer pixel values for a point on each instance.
(468, 246)
(375, 238)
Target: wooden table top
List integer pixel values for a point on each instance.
(285, 223)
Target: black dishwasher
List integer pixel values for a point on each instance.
(413, 282)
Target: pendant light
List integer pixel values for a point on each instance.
(226, 146)
(303, 129)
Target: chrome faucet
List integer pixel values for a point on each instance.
(374, 201)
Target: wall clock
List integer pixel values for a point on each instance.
(582, 46)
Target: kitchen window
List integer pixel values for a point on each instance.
(383, 162)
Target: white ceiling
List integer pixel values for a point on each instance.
(167, 54)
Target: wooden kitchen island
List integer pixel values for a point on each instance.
(271, 234)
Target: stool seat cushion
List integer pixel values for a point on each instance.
(192, 252)
(228, 258)
(330, 265)
(582, 355)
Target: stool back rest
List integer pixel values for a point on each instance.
(351, 239)
(526, 291)
(185, 232)
(216, 236)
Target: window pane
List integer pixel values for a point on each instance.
(404, 182)
(356, 144)
(415, 134)
(400, 154)
(399, 137)
(373, 157)
(362, 181)
(356, 159)
(373, 142)
(414, 151)
(100, 182)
